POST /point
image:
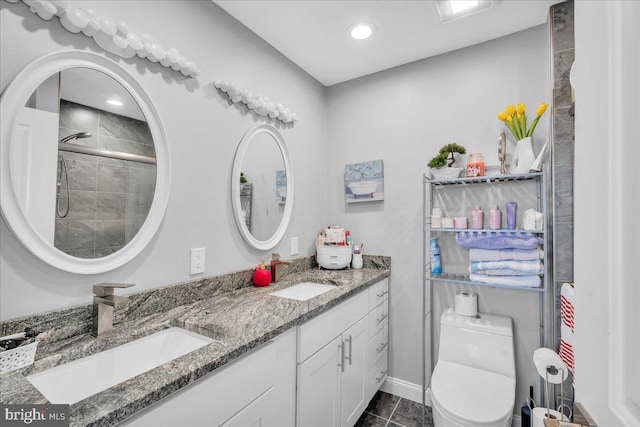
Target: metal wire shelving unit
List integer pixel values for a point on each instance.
(469, 184)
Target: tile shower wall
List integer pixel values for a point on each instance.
(563, 51)
(109, 198)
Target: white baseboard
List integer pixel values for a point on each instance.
(406, 390)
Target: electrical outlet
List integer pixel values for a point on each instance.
(294, 246)
(197, 261)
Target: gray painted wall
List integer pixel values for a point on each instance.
(203, 131)
(403, 116)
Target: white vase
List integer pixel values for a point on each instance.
(523, 157)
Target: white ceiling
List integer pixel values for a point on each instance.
(93, 88)
(314, 33)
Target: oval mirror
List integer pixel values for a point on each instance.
(262, 187)
(85, 164)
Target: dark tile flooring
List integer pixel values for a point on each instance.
(392, 411)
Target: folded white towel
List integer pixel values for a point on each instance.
(505, 254)
(566, 305)
(531, 267)
(515, 281)
(567, 296)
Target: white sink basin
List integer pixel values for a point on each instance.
(303, 291)
(85, 377)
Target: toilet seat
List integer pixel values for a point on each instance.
(471, 396)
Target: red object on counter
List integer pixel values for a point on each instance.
(262, 275)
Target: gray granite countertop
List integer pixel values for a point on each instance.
(238, 320)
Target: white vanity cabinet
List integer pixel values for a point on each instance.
(377, 360)
(256, 389)
(335, 360)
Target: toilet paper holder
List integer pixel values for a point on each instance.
(552, 370)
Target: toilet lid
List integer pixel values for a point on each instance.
(471, 396)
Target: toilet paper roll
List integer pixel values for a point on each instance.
(545, 357)
(466, 303)
(539, 414)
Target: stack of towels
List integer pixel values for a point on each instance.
(513, 259)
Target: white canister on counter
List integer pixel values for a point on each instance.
(356, 262)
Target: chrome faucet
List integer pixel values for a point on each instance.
(104, 303)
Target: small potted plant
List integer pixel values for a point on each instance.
(262, 275)
(442, 164)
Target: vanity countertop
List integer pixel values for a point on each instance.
(239, 321)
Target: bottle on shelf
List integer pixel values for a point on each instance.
(511, 215)
(477, 218)
(436, 218)
(495, 218)
(436, 267)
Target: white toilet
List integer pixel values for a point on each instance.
(474, 382)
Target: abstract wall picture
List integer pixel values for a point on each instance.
(364, 182)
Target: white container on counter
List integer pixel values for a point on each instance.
(333, 257)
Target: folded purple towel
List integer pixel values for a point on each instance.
(491, 240)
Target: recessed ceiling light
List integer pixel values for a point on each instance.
(115, 102)
(454, 9)
(458, 6)
(361, 31)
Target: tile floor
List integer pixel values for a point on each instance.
(392, 411)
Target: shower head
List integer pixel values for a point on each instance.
(75, 136)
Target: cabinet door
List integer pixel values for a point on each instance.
(319, 387)
(353, 382)
(260, 413)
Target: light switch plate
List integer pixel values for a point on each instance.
(197, 261)
(294, 246)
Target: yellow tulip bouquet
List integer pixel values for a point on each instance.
(515, 119)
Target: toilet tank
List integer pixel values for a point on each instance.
(485, 342)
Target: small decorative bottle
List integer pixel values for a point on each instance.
(477, 218)
(436, 218)
(495, 218)
(475, 166)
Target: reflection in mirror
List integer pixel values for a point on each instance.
(91, 174)
(264, 193)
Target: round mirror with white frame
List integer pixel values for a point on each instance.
(262, 187)
(49, 132)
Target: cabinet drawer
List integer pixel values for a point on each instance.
(378, 318)
(376, 376)
(318, 332)
(378, 293)
(377, 346)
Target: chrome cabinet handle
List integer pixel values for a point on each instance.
(384, 316)
(379, 350)
(350, 339)
(381, 294)
(341, 364)
(382, 374)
